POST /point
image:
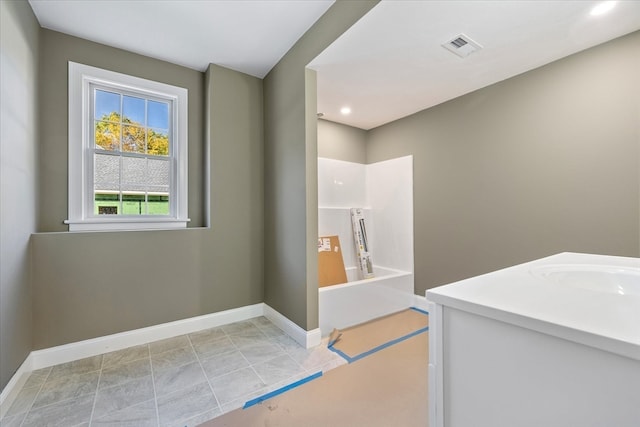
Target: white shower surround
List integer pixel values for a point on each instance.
(385, 191)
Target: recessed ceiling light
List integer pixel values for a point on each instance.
(602, 8)
(345, 110)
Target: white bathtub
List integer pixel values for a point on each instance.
(358, 301)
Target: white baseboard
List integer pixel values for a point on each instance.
(305, 338)
(13, 387)
(44, 358)
(95, 346)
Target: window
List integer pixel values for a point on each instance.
(127, 152)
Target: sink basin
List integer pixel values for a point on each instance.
(599, 278)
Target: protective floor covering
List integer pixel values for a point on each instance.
(386, 388)
(361, 340)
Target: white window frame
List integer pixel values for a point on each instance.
(81, 217)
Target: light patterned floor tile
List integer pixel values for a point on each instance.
(77, 367)
(207, 335)
(61, 414)
(13, 421)
(37, 378)
(23, 400)
(201, 418)
(261, 352)
(250, 339)
(170, 380)
(233, 405)
(278, 369)
(271, 330)
(173, 358)
(118, 397)
(236, 384)
(286, 343)
(125, 356)
(125, 372)
(260, 321)
(210, 348)
(141, 415)
(67, 388)
(223, 364)
(314, 358)
(161, 346)
(332, 364)
(181, 405)
(240, 328)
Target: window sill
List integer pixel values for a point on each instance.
(126, 224)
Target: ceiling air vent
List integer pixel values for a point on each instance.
(462, 46)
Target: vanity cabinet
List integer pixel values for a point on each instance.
(509, 349)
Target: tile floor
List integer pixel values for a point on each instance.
(177, 382)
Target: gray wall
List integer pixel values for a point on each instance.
(18, 179)
(341, 142)
(291, 169)
(93, 284)
(544, 162)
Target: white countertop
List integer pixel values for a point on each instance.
(522, 296)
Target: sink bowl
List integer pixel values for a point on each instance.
(598, 278)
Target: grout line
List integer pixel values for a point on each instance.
(153, 384)
(95, 397)
(252, 365)
(206, 377)
(26, 414)
(262, 336)
(55, 402)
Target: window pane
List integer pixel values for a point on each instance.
(133, 139)
(134, 174)
(133, 110)
(107, 135)
(158, 115)
(106, 172)
(127, 137)
(106, 204)
(158, 143)
(107, 105)
(158, 172)
(134, 204)
(158, 205)
(158, 176)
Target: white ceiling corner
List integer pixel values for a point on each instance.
(391, 63)
(250, 36)
(388, 65)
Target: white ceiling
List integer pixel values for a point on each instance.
(388, 65)
(391, 64)
(249, 35)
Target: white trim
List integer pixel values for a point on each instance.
(81, 217)
(303, 337)
(95, 346)
(126, 223)
(436, 371)
(44, 358)
(13, 387)
(420, 302)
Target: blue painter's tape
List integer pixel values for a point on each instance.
(281, 390)
(419, 310)
(350, 359)
(340, 353)
(389, 344)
